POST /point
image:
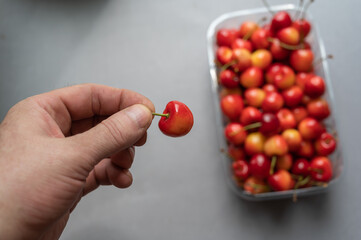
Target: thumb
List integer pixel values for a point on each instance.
(118, 132)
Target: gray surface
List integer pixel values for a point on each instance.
(158, 49)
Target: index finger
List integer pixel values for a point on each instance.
(87, 100)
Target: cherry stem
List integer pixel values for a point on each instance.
(252, 126)
(302, 181)
(287, 46)
(227, 65)
(161, 114)
(273, 164)
(305, 9)
(268, 7)
(319, 184)
(320, 60)
(316, 170)
(299, 9)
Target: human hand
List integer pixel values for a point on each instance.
(53, 152)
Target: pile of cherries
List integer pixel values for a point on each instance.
(273, 105)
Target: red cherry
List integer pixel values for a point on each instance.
(228, 79)
(303, 26)
(280, 20)
(301, 167)
(318, 109)
(284, 162)
(242, 57)
(260, 165)
(241, 169)
(314, 86)
(247, 28)
(236, 152)
(278, 53)
(310, 128)
(321, 169)
(306, 149)
(241, 43)
(269, 88)
(286, 118)
(225, 37)
(269, 124)
(292, 96)
(272, 102)
(260, 37)
(179, 119)
(325, 144)
(301, 79)
(235, 133)
(252, 77)
(250, 115)
(300, 113)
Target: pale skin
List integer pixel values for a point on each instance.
(58, 146)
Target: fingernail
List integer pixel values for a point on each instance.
(139, 114)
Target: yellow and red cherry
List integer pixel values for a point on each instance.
(269, 88)
(176, 120)
(293, 139)
(306, 149)
(289, 35)
(247, 28)
(301, 60)
(252, 77)
(254, 143)
(303, 27)
(281, 76)
(275, 146)
(254, 96)
(241, 58)
(281, 181)
(224, 55)
(284, 162)
(310, 128)
(254, 185)
(261, 58)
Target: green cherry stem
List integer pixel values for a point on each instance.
(287, 46)
(273, 164)
(161, 114)
(252, 126)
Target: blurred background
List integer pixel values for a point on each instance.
(158, 48)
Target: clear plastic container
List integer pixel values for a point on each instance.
(233, 20)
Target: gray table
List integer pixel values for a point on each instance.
(158, 49)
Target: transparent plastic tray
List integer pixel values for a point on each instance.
(233, 20)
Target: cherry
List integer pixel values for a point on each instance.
(289, 35)
(224, 55)
(272, 102)
(284, 162)
(269, 88)
(301, 167)
(286, 118)
(240, 169)
(300, 113)
(247, 28)
(310, 128)
(254, 96)
(255, 185)
(325, 144)
(314, 86)
(278, 52)
(281, 76)
(321, 169)
(235, 133)
(176, 120)
(225, 37)
(306, 149)
(280, 20)
(301, 79)
(241, 43)
(259, 38)
(232, 106)
(236, 152)
(318, 109)
(281, 181)
(250, 115)
(269, 124)
(252, 77)
(275, 146)
(303, 27)
(260, 165)
(254, 143)
(228, 79)
(293, 139)
(292, 96)
(261, 58)
(301, 60)
(242, 59)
